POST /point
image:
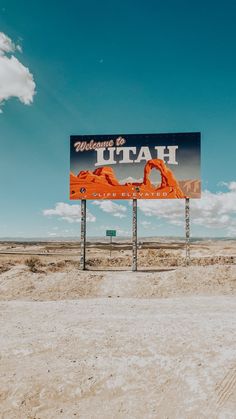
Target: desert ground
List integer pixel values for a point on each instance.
(110, 343)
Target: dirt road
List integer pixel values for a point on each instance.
(119, 358)
(113, 344)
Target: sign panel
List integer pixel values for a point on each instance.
(111, 233)
(135, 166)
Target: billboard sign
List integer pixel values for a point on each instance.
(135, 166)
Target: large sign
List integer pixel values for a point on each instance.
(135, 166)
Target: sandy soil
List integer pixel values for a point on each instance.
(110, 343)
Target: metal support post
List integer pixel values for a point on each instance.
(134, 261)
(83, 235)
(110, 245)
(187, 230)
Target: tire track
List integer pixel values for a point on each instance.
(226, 387)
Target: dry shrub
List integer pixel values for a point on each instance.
(33, 264)
(56, 266)
(112, 262)
(4, 267)
(62, 265)
(71, 262)
(162, 253)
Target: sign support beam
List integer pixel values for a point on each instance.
(134, 244)
(83, 235)
(110, 245)
(187, 230)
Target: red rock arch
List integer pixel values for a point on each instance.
(167, 177)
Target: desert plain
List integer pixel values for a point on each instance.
(110, 343)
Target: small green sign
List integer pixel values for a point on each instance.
(111, 233)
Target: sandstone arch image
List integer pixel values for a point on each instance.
(102, 183)
(167, 177)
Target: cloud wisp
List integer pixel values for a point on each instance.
(69, 213)
(145, 224)
(117, 210)
(213, 210)
(15, 79)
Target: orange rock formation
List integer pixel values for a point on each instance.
(102, 183)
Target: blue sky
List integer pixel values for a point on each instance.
(117, 66)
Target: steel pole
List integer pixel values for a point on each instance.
(187, 230)
(134, 244)
(83, 235)
(110, 244)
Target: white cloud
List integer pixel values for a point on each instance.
(15, 79)
(67, 212)
(213, 210)
(145, 223)
(121, 232)
(111, 207)
(6, 44)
